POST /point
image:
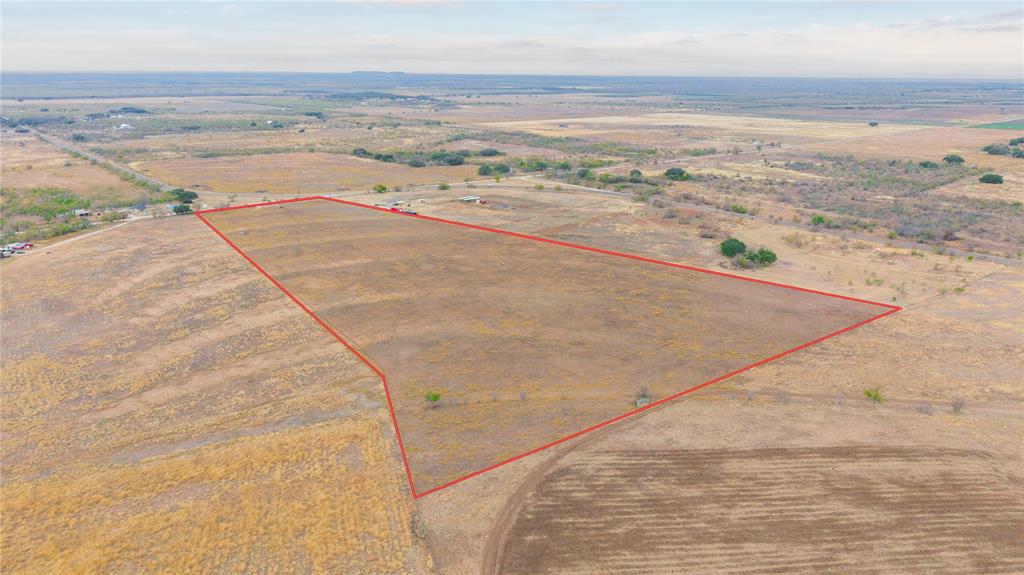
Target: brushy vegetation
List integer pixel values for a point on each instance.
(861, 195)
(744, 258)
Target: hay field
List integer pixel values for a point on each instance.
(296, 173)
(526, 342)
(167, 410)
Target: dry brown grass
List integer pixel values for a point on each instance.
(28, 163)
(186, 418)
(297, 173)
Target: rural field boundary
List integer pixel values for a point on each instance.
(888, 310)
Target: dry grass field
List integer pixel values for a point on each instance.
(493, 334)
(297, 174)
(29, 163)
(166, 409)
(185, 418)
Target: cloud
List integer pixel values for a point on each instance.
(946, 48)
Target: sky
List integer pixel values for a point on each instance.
(969, 40)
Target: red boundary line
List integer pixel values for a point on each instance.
(384, 380)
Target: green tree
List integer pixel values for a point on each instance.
(182, 209)
(677, 174)
(184, 196)
(762, 257)
(732, 247)
(485, 170)
(991, 179)
(953, 159)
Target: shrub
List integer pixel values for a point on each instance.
(182, 209)
(488, 152)
(997, 150)
(953, 159)
(584, 174)
(762, 257)
(184, 196)
(873, 124)
(928, 164)
(380, 188)
(991, 179)
(485, 170)
(360, 152)
(502, 168)
(454, 160)
(818, 220)
(732, 247)
(958, 404)
(444, 187)
(738, 209)
(677, 174)
(874, 394)
(78, 137)
(432, 398)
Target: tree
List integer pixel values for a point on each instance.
(584, 174)
(184, 196)
(485, 170)
(677, 174)
(991, 179)
(380, 188)
(454, 160)
(953, 159)
(182, 209)
(417, 163)
(360, 152)
(488, 152)
(502, 168)
(732, 247)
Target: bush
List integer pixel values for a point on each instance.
(874, 394)
(454, 160)
(585, 174)
(732, 247)
(432, 398)
(873, 124)
(997, 150)
(485, 170)
(762, 257)
(953, 159)
(502, 168)
(184, 196)
(488, 152)
(182, 209)
(444, 187)
(677, 174)
(380, 188)
(928, 164)
(417, 163)
(78, 137)
(991, 179)
(360, 152)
